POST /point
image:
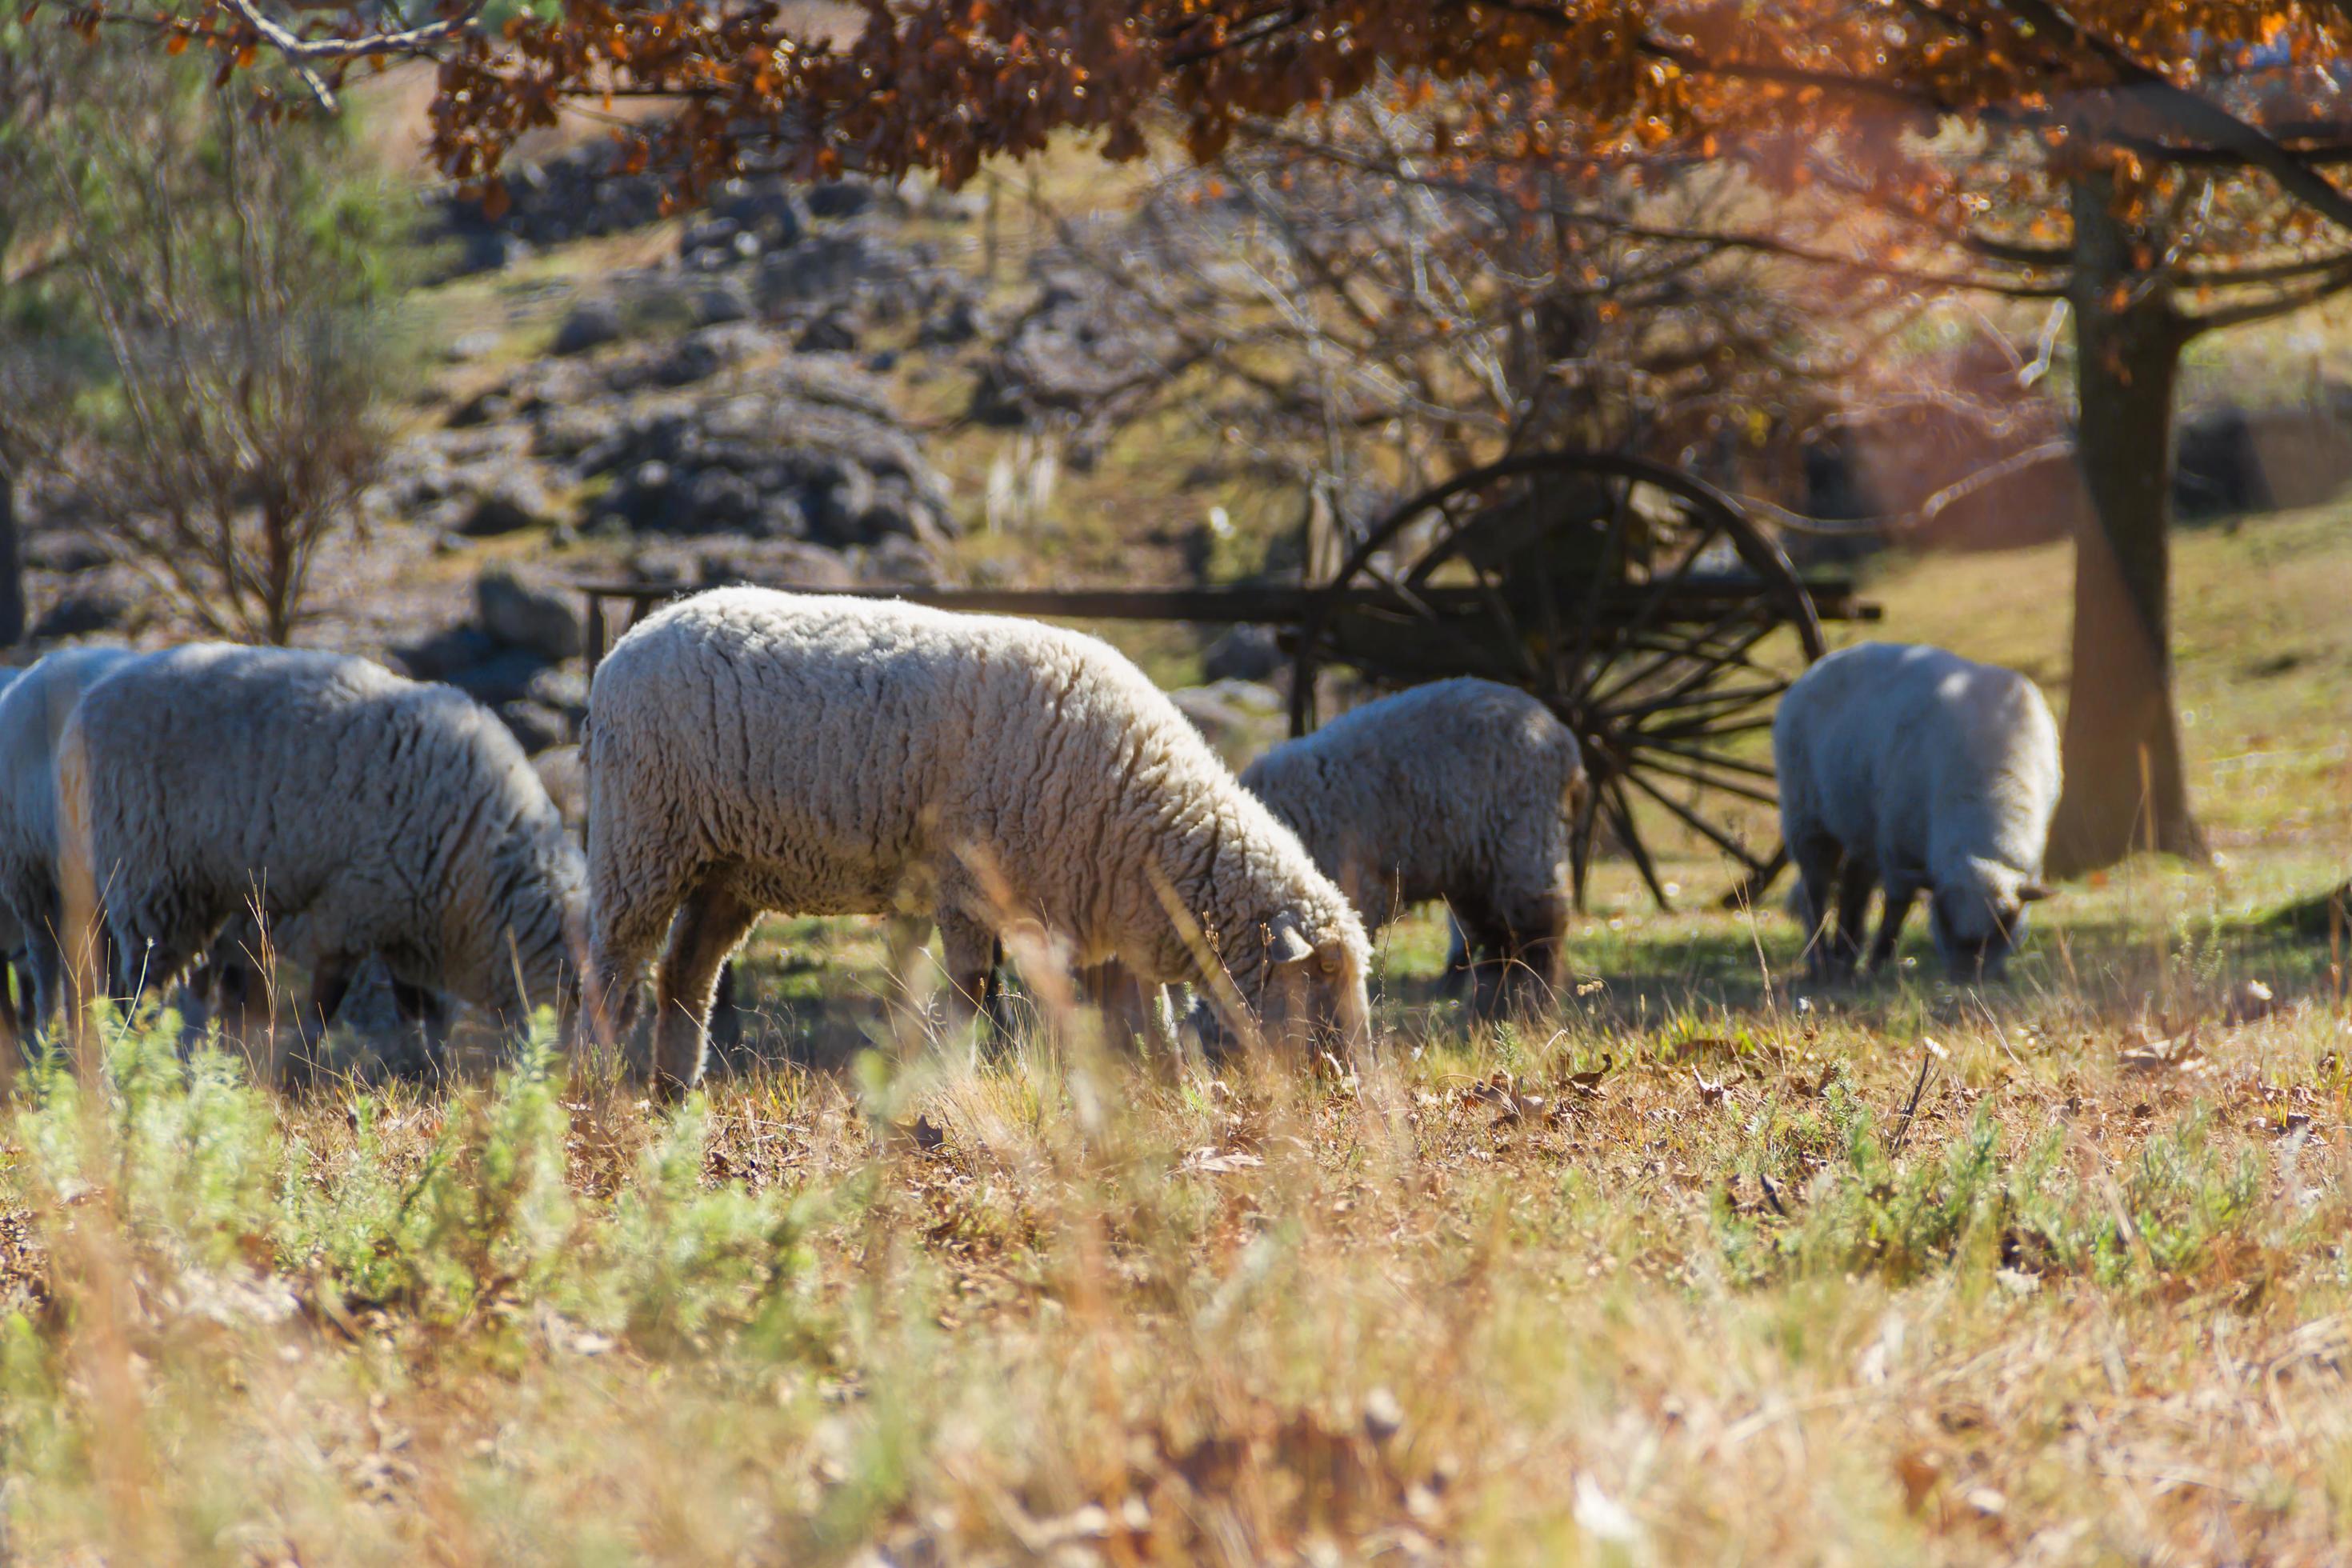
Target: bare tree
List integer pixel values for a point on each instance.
(233, 430)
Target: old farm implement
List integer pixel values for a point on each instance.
(1642, 604)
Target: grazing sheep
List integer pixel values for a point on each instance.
(750, 750)
(33, 713)
(1917, 770)
(1460, 790)
(356, 811)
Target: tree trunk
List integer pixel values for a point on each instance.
(2124, 788)
(12, 567)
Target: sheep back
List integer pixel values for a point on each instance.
(1943, 772)
(361, 811)
(1458, 790)
(833, 756)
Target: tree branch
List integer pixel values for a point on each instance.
(2287, 304)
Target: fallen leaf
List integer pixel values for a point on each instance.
(1217, 1162)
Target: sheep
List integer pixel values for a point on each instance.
(351, 810)
(750, 750)
(1461, 790)
(1917, 770)
(33, 713)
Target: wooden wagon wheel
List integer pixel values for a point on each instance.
(1641, 603)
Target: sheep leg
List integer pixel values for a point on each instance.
(726, 1011)
(331, 982)
(710, 925)
(1856, 880)
(1896, 909)
(1538, 940)
(1817, 875)
(971, 955)
(1133, 1015)
(421, 1009)
(1489, 947)
(1458, 966)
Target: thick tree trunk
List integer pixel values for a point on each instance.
(11, 566)
(2123, 786)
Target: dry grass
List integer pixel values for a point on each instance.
(1708, 1268)
(1708, 1282)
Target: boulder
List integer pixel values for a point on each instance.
(535, 726)
(839, 198)
(82, 609)
(444, 653)
(520, 614)
(590, 324)
(507, 500)
(1242, 653)
(505, 677)
(829, 333)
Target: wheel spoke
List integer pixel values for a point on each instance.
(1668, 653)
(1723, 703)
(1621, 817)
(1705, 758)
(1697, 823)
(1712, 669)
(1693, 775)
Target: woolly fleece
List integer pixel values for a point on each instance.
(1920, 771)
(753, 751)
(371, 814)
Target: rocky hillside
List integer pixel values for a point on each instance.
(827, 386)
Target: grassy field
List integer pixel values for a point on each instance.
(1708, 1268)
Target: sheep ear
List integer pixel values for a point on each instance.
(1284, 943)
(2034, 892)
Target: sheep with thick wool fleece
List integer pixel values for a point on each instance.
(753, 751)
(33, 713)
(1461, 790)
(356, 811)
(1914, 770)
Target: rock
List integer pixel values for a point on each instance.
(504, 677)
(829, 333)
(902, 561)
(562, 688)
(1242, 653)
(474, 346)
(507, 502)
(767, 209)
(839, 198)
(81, 609)
(710, 232)
(590, 324)
(520, 614)
(775, 564)
(721, 299)
(66, 551)
(535, 726)
(829, 268)
(446, 653)
(956, 321)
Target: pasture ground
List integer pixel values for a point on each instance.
(1711, 1268)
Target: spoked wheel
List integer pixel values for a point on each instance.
(1639, 602)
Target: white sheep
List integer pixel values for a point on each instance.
(1916, 770)
(33, 714)
(750, 750)
(355, 811)
(1461, 790)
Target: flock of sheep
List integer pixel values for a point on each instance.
(1018, 785)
